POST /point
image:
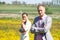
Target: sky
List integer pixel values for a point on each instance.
(27, 1)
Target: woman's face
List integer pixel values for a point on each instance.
(24, 17)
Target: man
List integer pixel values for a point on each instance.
(42, 24)
(25, 27)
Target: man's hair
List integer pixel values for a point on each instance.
(40, 5)
(25, 13)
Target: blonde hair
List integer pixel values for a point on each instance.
(40, 5)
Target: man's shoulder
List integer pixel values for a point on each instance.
(49, 17)
(36, 17)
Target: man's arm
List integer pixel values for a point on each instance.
(32, 28)
(47, 26)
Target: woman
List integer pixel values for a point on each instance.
(25, 27)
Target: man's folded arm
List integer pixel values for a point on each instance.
(46, 28)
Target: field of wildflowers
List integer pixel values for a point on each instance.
(9, 30)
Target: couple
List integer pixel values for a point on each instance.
(41, 25)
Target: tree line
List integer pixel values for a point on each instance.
(2, 3)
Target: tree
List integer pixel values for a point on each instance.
(16, 2)
(24, 3)
(2, 3)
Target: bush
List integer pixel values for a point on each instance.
(48, 10)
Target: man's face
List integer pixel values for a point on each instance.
(24, 17)
(41, 10)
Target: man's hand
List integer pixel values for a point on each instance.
(34, 27)
(44, 26)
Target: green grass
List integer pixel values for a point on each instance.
(25, 8)
(17, 8)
